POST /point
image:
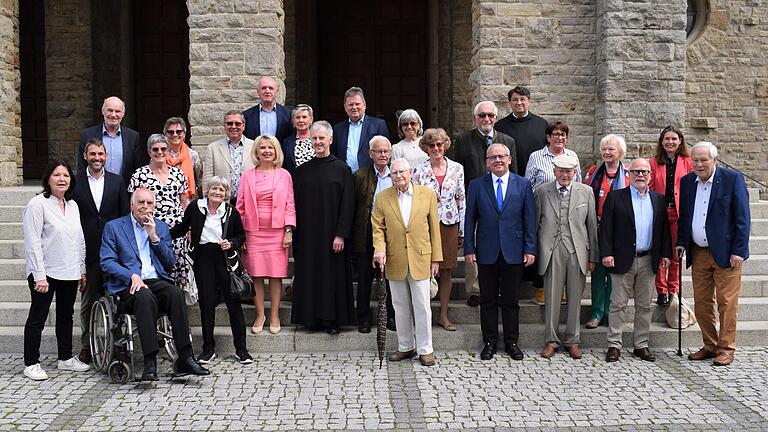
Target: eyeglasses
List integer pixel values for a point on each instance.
(398, 173)
(234, 123)
(640, 172)
(497, 157)
(435, 145)
(411, 124)
(559, 135)
(174, 132)
(159, 149)
(485, 115)
(381, 152)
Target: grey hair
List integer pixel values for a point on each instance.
(476, 109)
(322, 124)
(277, 84)
(409, 115)
(218, 181)
(506, 149)
(354, 91)
(135, 194)
(175, 120)
(302, 107)
(234, 112)
(619, 140)
(154, 139)
(708, 145)
(379, 138)
(401, 161)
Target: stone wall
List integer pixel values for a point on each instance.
(10, 99)
(454, 41)
(68, 74)
(232, 44)
(726, 92)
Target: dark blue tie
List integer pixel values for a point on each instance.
(499, 195)
(488, 140)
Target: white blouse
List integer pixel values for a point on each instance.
(54, 245)
(212, 227)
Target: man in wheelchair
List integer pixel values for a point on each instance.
(136, 253)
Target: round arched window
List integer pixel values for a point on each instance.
(696, 18)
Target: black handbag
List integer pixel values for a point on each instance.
(240, 282)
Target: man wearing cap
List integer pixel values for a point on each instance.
(567, 243)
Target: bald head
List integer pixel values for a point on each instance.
(113, 110)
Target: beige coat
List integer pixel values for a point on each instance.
(581, 218)
(412, 248)
(219, 162)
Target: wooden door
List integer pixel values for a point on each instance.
(34, 120)
(381, 48)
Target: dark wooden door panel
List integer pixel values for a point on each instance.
(34, 120)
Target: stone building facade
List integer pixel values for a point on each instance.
(602, 66)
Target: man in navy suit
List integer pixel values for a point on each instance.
(101, 196)
(351, 136)
(268, 117)
(500, 236)
(124, 153)
(137, 256)
(715, 239)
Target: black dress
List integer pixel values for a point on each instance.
(322, 289)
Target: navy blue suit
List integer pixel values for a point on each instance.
(372, 126)
(728, 220)
(499, 238)
(253, 123)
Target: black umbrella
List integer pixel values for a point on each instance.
(381, 325)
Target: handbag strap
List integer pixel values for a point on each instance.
(235, 259)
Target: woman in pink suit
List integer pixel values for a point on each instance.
(668, 166)
(265, 203)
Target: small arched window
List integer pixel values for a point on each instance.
(696, 18)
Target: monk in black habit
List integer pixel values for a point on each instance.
(324, 195)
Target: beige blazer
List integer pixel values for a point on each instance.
(581, 218)
(412, 248)
(219, 162)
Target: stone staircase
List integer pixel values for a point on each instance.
(752, 326)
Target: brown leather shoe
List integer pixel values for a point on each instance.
(701, 354)
(427, 359)
(644, 354)
(399, 355)
(85, 356)
(723, 359)
(549, 350)
(575, 351)
(612, 355)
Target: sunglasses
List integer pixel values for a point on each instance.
(174, 132)
(486, 115)
(234, 123)
(159, 149)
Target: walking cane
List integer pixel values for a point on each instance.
(680, 304)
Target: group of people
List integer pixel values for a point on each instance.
(504, 194)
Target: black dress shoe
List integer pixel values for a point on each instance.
(333, 331)
(391, 324)
(190, 366)
(473, 301)
(364, 328)
(644, 354)
(488, 351)
(662, 299)
(150, 370)
(612, 355)
(514, 351)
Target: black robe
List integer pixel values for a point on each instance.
(322, 290)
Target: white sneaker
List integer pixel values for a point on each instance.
(74, 364)
(35, 372)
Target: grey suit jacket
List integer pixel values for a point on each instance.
(219, 162)
(581, 218)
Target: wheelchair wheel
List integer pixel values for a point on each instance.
(102, 338)
(119, 372)
(165, 337)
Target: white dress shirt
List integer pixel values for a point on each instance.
(405, 200)
(212, 228)
(54, 245)
(97, 187)
(700, 209)
(504, 184)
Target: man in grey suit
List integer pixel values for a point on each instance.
(567, 238)
(230, 156)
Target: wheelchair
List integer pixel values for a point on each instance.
(112, 340)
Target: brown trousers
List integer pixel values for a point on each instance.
(714, 284)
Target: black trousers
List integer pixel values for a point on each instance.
(147, 304)
(66, 293)
(363, 264)
(212, 286)
(496, 278)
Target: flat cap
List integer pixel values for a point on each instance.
(565, 161)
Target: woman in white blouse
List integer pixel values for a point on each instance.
(54, 248)
(410, 128)
(446, 178)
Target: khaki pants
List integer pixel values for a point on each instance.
(638, 283)
(563, 271)
(712, 283)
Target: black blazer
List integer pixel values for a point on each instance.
(469, 148)
(194, 219)
(617, 230)
(114, 204)
(372, 126)
(284, 123)
(134, 153)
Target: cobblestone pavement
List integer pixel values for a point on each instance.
(332, 391)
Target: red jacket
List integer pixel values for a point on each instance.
(658, 181)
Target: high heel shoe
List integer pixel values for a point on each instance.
(258, 327)
(274, 329)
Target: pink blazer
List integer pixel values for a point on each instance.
(283, 208)
(658, 181)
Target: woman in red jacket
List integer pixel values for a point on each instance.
(668, 166)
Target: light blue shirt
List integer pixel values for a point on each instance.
(643, 209)
(382, 182)
(145, 253)
(353, 143)
(268, 121)
(114, 147)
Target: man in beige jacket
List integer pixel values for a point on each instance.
(230, 156)
(406, 243)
